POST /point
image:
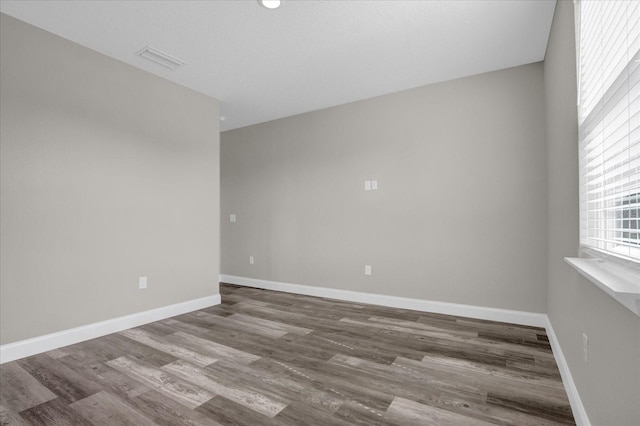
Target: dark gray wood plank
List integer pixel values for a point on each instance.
(167, 412)
(104, 376)
(115, 346)
(19, 390)
(10, 418)
(359, 414)
(230, 413)
(63, 381)
(53, 413)
(556, 410)
(299, 413)
(106, 409)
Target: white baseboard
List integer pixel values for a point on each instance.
(579, 413)
(469, 311)
(47, 342)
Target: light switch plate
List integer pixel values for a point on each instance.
(585, 347)
(367, 269)
(367, 185)
(232, 217)
(142, 283)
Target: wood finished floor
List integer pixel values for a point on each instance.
(271, 358)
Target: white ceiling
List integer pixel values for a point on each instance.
(267, 64)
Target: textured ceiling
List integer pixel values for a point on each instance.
(267, 64)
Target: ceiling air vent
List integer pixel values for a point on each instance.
(161, 58)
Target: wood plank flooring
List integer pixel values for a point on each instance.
(271, 358)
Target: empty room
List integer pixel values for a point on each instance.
(290, 212)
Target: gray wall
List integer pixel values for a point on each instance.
(460, 214)
(107, 173)
(609, 384)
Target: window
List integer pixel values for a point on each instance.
(628, 230)
(609, 117)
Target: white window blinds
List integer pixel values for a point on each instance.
(609, 118)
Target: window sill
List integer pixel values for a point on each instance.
(622, 285)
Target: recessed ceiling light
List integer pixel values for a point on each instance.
(270, 4)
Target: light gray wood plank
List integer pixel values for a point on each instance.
(246, 397)
(409, 325)
(411, 413)
(185, 393)
(175, 350)
(286, 328)
(57, 353)
(403, 329)
(211, 349)
(267, 374)
(251, 328)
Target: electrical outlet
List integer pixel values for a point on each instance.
(370, 185)
(232, 218)
(367, 269)
(142, 283)
(585, 347)
(251, 260)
